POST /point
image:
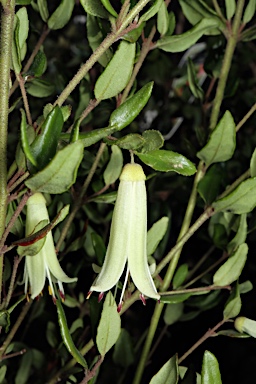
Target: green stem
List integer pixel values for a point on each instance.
(227, 61)
(106, 43)
(7, 18)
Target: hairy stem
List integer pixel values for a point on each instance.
(227, 61)
(7, 17)
(106, 43)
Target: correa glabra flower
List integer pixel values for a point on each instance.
(44, 263)
(128, 238)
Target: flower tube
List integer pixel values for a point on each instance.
(45, 263)
(128, 237)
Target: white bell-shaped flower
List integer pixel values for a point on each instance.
(45, 263)
(128, 237)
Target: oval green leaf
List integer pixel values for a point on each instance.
(109, 326)
(222, 142)
(60, 173)
(131, 108)
(241, 200)
(61, 15)
(168, 374)
(180, 43)
(117, 73)
(210, 369)
(114, 167)
(165, 161)
(232, 268)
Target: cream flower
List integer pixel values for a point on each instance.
(128, 237)
(44, 263)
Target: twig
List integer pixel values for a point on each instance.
(208, 334)
(90, 374)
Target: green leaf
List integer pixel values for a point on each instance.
(210, 185)
(153, 140)
(173, 313)
(89, 138)
(210, 369)
(45, 144)
(232, 268)
(3, 370)
(109, 326)
(22, 15)
(131, 108)
(233, 305)
(25, 139)
(19, 47)
(155, 234)
(240, 236)
(162, 19)
(39, 88)
(134, 35)
(174, 299)
(39, 65)
(241, 200)
(180, 43)
(43, 9)
(230, 8)
(94, 8)
(60, 173)
(109, 8)
(253, 164)
(222, 142)
(165, 161)
(117, 73)
(114, 167)
(168, 374)
(152, 11)
(249, 11)
(123, 354)
(132, 141)
(193, 81)
(61, 15)
(95, 37)
(180, 276)
(195, 11)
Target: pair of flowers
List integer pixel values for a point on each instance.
(127, 242)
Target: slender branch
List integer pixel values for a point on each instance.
(143, 54)
(14, 218)
(31, 58)
(213, 266)
(19, 181)
(195, 290)
(246, 117)
(15, 328)
(24, 96)
(79, 200)
(227, 61)
(90, 374)
(106, 43)
(7, 19)
(12, 282)
(208, 334)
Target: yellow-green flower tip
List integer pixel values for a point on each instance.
(132, 172)
(239, 324)
(35, 199)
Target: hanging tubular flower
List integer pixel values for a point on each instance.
(44, 263)
(128, 237)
